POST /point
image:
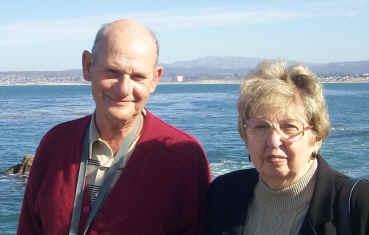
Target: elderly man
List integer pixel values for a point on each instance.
(121, 170)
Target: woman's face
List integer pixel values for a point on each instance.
(281, 161)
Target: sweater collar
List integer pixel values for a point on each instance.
(290, 197)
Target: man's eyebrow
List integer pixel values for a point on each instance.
(134, 71)
(112, 69)
(140, 71)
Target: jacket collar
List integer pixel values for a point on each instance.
(321, 207)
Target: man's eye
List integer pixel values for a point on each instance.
(261, 126)
(138, 77)
(111, 73)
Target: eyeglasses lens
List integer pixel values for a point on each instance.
(289, 129)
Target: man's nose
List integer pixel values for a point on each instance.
(274, 139)
(124, 85)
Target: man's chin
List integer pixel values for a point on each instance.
(123, 115)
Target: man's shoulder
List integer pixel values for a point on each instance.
(166, 130)
(59, 144)
(69, 129)
(171, 143)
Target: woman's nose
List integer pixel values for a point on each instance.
(274, 139)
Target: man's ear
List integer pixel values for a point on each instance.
(157, 75)
(87, 65)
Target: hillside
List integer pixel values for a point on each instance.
(205, 68)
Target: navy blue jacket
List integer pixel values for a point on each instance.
(230, 194)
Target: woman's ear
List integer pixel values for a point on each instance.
(318, 143)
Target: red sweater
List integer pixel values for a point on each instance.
(160, 191)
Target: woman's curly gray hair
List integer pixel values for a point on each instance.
(272, 84)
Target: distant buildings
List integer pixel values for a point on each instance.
(76, 77)
(179, 78)
(41, 77)
(336, 77)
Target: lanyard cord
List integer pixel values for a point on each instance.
(108, 180)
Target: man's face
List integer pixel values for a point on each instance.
(122, 77)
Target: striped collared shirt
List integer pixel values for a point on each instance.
(101, 159)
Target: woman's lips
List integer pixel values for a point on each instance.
(276, 159)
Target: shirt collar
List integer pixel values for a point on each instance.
(94, 133)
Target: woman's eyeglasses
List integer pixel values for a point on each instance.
(290, 129)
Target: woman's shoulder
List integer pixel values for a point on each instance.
(360, 193)
(227, 200)
(360, 196)
(354, 200)
(239, 181)
(239, 175)
(229, 193)
(340, 179)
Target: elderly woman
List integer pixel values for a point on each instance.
(283, 121)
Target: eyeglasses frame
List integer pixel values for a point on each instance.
(277, 129)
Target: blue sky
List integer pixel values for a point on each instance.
(50, 35)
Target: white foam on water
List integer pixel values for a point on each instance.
(225, 166)
(338, 129)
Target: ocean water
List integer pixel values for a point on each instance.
(208, 112)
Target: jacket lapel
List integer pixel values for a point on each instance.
(244, 197)
(322, 203)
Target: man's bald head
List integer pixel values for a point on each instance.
(123, 28)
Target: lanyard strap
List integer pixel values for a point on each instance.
(109, 180)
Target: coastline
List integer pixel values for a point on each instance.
(208, 82)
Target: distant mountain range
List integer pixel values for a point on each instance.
(205, 68)
(236, 67)
(354, 67)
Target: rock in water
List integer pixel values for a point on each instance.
(22, 168)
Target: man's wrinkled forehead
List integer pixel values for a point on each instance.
(126, 37)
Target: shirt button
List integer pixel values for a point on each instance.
(86, 209)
